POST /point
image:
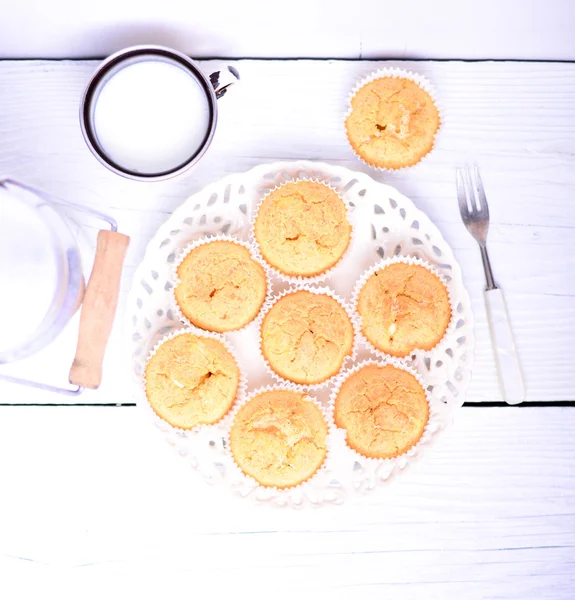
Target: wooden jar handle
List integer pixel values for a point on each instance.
(98, 309)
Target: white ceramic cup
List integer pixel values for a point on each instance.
(210, 88)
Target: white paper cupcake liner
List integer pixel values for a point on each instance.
(246, 485)
(424, 84)
(300, 279)
(433, 423)
(409, 260)
(318, 290)
(240, 394)
(207, 240)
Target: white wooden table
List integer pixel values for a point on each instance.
(93, 502)
(520, 29)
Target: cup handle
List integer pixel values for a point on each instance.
(222, 80)
(98, 309)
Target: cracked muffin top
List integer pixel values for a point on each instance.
(221, 287)
(191, 380)
(279, 438)
(301, 228)
(392, 122)
(383, 409)
(305, 337)
(403, 307)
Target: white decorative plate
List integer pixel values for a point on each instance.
(387, 224)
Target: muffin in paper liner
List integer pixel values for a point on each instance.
(319, 290)
(424, 84)
(400, 461)
(410, 260)
(301, 279)
(240, 393)
(245, 485)
(207, 240)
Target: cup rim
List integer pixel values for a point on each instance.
(111, 62)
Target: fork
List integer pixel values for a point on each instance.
(475, 215)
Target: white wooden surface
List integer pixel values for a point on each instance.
(526, 29)
(516, 120)
(94, 504)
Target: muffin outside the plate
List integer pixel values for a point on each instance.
(301, 228)
(403, 307)
(191, 380)
(305, 337)
(279, 438)
(221, 286)
(383, 409)
(392, 122)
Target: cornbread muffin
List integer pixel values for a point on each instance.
(305, 337)
(279, 438)
(403, 307)
(191, 380)
(383, 409)
(302, 229)
(222, 288)
(392, 122)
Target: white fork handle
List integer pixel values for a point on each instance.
(508, 367)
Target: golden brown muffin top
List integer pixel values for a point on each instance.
(302, 229)
(279, 438)
(191, 380)
(305, 337)
(392, 122)
(383, 409)
(403, 307)
(222, 288)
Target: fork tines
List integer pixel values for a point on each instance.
(471, 194)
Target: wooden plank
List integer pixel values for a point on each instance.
(528, 29)
(94, 499)
(516, 120)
